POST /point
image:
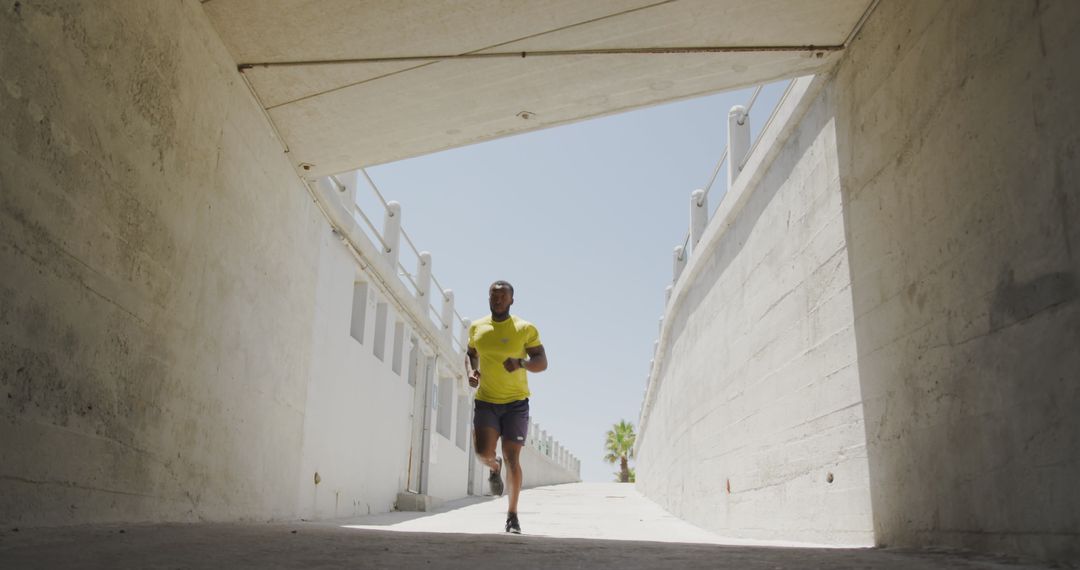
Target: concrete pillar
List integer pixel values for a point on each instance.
(447, 311)
(423, 277)
(738, 136)
(392, 233)
(678, 263)
(699, 216)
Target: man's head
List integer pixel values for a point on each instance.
(500, 297)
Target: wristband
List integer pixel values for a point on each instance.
(521, 363)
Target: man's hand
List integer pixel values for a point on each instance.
(512, 364)
(474, 378)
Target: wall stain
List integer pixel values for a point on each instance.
(1016, 301)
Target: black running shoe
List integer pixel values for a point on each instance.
(512, 524)
(495, 480)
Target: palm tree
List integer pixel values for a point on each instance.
(620, 447)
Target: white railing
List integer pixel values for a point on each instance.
(547, 446)
(735, 154)
(414, 268)
(414, 272)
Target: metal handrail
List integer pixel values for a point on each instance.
(768, 122)
(374, 187)
(409, 241)
(374, 230)
(434, 313)
(724, 155)
(409, 276)
(356, 210)
(438, 285)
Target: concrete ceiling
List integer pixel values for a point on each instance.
(357, 82)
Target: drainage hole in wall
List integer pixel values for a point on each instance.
(829, 478)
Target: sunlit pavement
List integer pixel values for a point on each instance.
(590, 525)
(608, 511)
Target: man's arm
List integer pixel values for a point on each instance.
(537, 361)
(472, 367)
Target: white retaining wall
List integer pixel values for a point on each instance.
(753, 426)
(907, 266)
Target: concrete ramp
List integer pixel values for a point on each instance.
(586, 525)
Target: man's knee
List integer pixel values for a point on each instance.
(512, 459)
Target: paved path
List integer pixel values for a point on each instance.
(568, 526)
(609, 511)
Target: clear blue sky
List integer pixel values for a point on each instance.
(582, 220)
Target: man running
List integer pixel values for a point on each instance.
(501, 348)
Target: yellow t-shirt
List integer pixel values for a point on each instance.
(495, 342)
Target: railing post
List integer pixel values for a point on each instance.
(678, 263)
(392, 233)
(423, 276)
(447, 312)
(699, 216)
(351, 181)
(738, 136)
(465, 324)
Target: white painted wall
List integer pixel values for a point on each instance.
(357, 424)
(755, 401)
(539, 470)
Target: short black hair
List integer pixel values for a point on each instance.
(506, 284)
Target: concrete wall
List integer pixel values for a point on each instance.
(754, 427)
(159, 274)
(959, 131)
(175, 311)
(944, 316)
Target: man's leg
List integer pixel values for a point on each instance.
(512, 457)
(486, 438)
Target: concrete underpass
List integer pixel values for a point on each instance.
(211, 356)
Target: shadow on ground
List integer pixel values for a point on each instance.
(318, 545)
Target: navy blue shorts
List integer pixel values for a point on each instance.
(511, 420)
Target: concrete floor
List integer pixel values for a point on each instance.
(586, 525)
